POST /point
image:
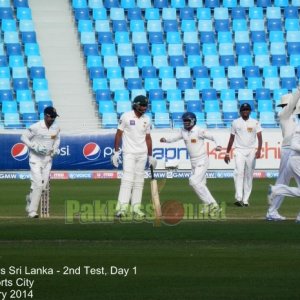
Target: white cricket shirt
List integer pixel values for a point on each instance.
(288, 122)
(194, 141)
(134, 132)
(245, 133)
(40, 134)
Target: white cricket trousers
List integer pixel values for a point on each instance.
(285, 190)
(39, 175)
(243, 174)
(285, 174)
(132, 182)
(198, 180)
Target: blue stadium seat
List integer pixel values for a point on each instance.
(9, 107)
(109, 120)
(160, 61)
(37, 72)
(149, 72)
(186, 13)
(151, 83)
(166, 72)
(176, 107)
(262, 60)
(291, 24)
(291, 12)
(267, 119)
(276, 36)
(123, 106)
(211, 106)
(258, 36)
(12, 120)
(263, 94)
(32, 49)
(207, 37)
(209, 94)
(211, 61)
(4, 83)
(134, 83)
(227, 95)
(144, 61)
(11, 37)
(200, 72)
(274, 25)
(127, 61)
(245, 60)
(252, 71)
(194, 106)
(162, 120)
(177, 120)
(81, 13)
(6, 95)
(99, 13)
(99, 84)
(192, 49)
(28, 37)
(241, 37)
(134, 13)
(168, 83)
(95, 4)
(170, 25)
(103, 95)
(214, 120)
(229, 106)
(26, 107)
(194, 61)
(174, 95)
(289, 83)
(245, 95)
(160, 3)
(158, 106)
(191, 95)
(177, 60)
(92, 61)
(295, 60)
(79, 3)
(97, 72)
(7, 13)
(222, 25)
(238, 13)
(264, 105)
(239, 25)
(243, 48)
(217, 72)
(281, 3)
(111, 3)
(40, 95)
(205, 25)
(5, 72)
(185, 83)
(156, 38)
(29, 118)
(220, 84)
(182, 72)
(20, 84)
(121, 95)
(106, 106)
(272, 83)
(156, 94)
(237, 83)
(228, 117)
(224, 37)
(202, 83)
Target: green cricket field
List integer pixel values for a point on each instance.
(82, 252)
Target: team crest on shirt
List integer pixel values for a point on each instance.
(249, 129)
(132, 122)
(193, 141)
(53, 137)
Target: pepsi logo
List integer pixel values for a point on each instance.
(91, 151)
(19, 151)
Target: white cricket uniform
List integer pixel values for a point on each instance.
(135, 153)
(245, 133)
(288, 125)
(194, 141)
(40, 165)
(294, 166)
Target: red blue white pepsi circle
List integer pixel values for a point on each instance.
(91, 151)
(19, 151)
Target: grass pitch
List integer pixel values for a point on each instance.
(241, 257)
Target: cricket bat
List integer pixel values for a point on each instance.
(155, 195)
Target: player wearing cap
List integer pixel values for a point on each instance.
(43, 139)
(134, 132)
(288, 125)
(243, 134)
(194, 137)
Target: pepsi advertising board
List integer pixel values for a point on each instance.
(76, 152)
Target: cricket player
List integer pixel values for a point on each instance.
(288, 125)
(293, 167)
(42, 139)
(243, 134)
(194, 137)
(134, 132)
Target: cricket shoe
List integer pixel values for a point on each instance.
(214, 210)
(33, 215)
(27, 199)
(121, 214)
(298, 219)
(138, 214)
(239, 203)
(274, 216)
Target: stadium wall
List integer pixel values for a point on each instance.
(91, 152)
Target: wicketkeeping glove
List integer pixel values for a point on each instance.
(152, 162)
(40, 149)
(54, 152)
(115, 158)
